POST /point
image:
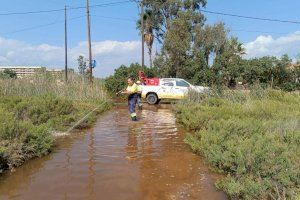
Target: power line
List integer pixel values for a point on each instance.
(233, 30)
(40, 26)
(249, 17)
(110, 4)
(130, 20)
(61, 21)
(135, 1)
(62, 9)
(255, 31)
(115, 18)
(31, 12)
(102, 5)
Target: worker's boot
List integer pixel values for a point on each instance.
(140, 107)
(134, 118)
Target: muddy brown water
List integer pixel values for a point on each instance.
(119, 160)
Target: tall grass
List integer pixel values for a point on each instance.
(76, 88)
(32, 109)
(253, 137)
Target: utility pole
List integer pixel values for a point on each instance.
(66, 46)
(89, 40)
(143, 34)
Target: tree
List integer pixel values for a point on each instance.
(177, 22)
(82, 65)
(165, 11)
(207, 54)
(298, 59)
(177, 45)
(214, 58)
(211, 40)
(8, 73)
(228, 61)
(149, 26)
(282, 72)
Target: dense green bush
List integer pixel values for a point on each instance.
(7, 74)
(21, 140)
(254, 138)
(38, 110)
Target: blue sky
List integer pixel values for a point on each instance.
(117, 40)
(277, 9)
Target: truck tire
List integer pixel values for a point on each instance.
(152, 98)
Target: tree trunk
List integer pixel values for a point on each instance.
(207, 58)
(150, 56)
(149, 42)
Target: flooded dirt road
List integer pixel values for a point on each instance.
(117, 159)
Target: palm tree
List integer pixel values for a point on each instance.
(148, 32)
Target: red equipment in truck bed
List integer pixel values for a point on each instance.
(152, 81)
(148, 81)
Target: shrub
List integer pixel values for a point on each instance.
(253, 138)
(31, 109)
(20, 140)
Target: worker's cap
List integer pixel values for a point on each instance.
(138, 82)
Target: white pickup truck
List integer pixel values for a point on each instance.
(169, 88)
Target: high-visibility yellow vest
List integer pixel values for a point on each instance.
(133, 88)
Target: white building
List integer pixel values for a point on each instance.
(23, 71)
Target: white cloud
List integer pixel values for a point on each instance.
(266, 45)
(109, 54)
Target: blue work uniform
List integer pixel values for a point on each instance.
(132, 100)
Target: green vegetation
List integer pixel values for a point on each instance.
(203, 54)
(118, 80)
(32, 109)
(252, 137)
(207, 54)
(6, 74)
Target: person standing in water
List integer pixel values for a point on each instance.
(132, 92)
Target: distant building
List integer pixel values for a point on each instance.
(55, 71)
(23, 71)
(293, 66)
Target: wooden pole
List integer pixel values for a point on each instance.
(89, 40)
(66, 47)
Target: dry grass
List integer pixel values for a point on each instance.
(76, 88)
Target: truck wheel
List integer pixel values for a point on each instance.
(152, 99)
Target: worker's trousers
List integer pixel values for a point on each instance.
(132, 100)
(139, 100)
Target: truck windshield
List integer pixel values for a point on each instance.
(182, 83)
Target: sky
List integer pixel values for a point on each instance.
(38, 39)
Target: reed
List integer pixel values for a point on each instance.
(76, 88)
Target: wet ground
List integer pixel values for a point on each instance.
(117, 159)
